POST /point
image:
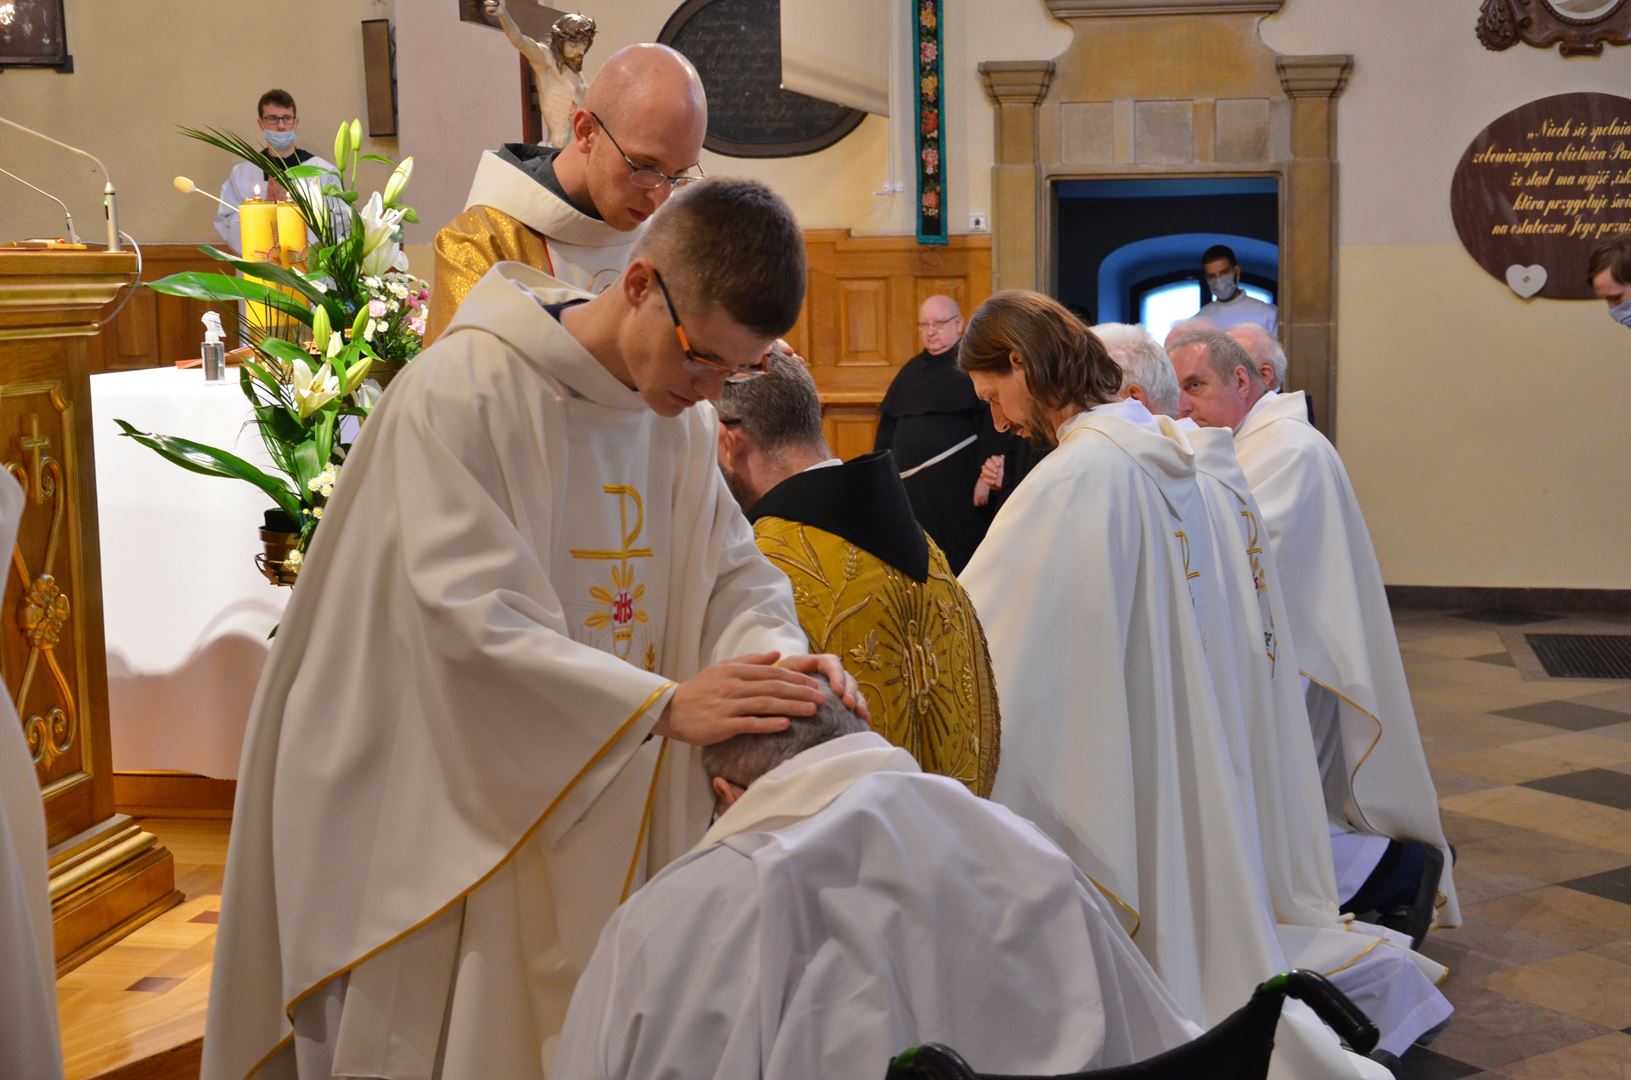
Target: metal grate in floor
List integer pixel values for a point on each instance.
(1583, 656)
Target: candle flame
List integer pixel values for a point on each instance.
(257, 191)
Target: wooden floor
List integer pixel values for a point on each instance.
(136, 1011)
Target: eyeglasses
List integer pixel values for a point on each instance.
(280, 121)
(701, 365)
(644, 176)
(938, 324)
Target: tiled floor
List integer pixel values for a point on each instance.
(1534, 777)
(1534, 780)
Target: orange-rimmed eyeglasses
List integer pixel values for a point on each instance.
(701, 365)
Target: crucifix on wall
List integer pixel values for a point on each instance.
(552, 44)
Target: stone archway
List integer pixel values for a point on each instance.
(1156, 88)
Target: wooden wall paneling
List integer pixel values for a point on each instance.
(859, 322)
(153, 329)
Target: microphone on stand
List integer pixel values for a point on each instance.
(110, 205)
(187, 187)
(73, 237)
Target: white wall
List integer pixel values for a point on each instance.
(1485, 433)
(143, 67)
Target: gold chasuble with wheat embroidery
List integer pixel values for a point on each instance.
(871, 587)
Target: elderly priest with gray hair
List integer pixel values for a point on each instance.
(846, 905)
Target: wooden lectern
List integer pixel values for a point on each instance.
(108, 876)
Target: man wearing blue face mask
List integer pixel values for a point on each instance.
(279, 123)
(1230, 305)
(1610, 273)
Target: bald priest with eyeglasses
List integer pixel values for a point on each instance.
(442, 802)
(574, 212)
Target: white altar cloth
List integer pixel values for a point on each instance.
(187, 613)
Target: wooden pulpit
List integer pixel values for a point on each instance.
(108, 876)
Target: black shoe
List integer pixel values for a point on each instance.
(1413, 919)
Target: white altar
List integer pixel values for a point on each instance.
(187, 612)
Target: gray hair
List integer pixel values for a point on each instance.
(778, 410)
(1264, 348)
(1188, 326)
(1222, 352)
(1143, 361)
(742, 759)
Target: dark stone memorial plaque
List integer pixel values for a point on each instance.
(737, 49)
(1542, 186)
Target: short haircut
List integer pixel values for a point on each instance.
(275, 97)
(742, 759)
(1064, 363)
(1263, 347)
(1614, 255)
(779, 409)
(1220, 251)
(734, 243)
(1143, 361)
(1222, 352)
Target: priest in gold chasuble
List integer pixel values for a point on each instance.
(869, 584)
(573, 213)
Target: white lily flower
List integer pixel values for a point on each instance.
(313, 389)
(380, 248)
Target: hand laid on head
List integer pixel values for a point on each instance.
(849, 691)
(781, 346)
(749, 694)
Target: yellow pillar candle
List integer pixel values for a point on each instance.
(291, 234)
(257, 228)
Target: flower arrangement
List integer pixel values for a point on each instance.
(348, 316)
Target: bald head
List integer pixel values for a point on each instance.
(939, 324)
(1265, 351)
(652, 112)
(650, 86)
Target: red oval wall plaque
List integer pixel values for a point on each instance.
(1542, 186)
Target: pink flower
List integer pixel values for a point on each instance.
(377, 309)
(416, 323)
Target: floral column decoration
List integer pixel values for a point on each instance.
(931, 126)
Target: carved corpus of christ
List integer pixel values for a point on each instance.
(557, 66)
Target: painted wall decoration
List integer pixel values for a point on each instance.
(931, 125)
(1543, 185)
(736, 46)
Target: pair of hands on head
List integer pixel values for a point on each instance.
(753, 695)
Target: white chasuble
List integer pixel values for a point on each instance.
(29, 1043)
(849, 906)
(447, 784)
(1260, 700)
(1342, 630)
(1112, 741)
(584, 252)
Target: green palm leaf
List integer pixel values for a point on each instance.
(197, 285)
(208, 461)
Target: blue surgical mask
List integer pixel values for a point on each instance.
(280, 141)
(1621, 313)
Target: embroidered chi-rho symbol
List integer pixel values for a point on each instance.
(618, 606)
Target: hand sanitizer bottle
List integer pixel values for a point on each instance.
(214, 350)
